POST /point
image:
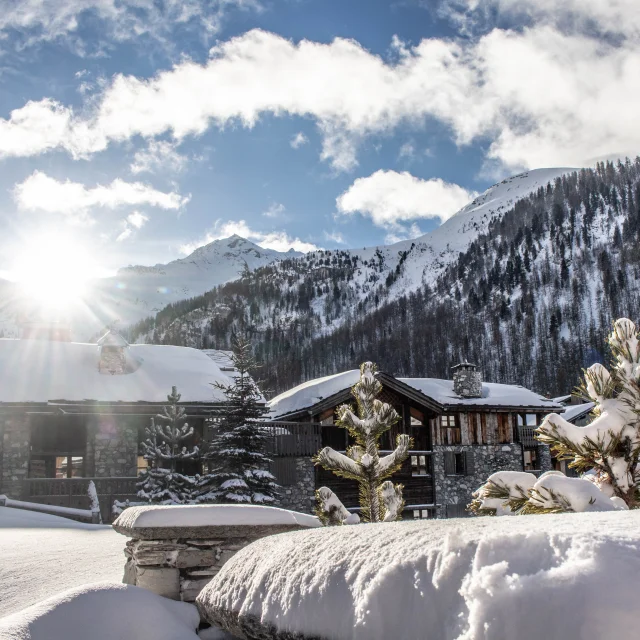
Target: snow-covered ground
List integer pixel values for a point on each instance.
(103, 611)
(570, 577)
(42, 555)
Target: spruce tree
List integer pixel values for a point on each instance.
(380, 501)
(238, 465)
(163, 448)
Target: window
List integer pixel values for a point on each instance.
(458, 463)
(334, 437)
(58, 445)
(421, 514)
(420, 465)
(450, 429)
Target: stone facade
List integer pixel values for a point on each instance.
(300, 495)
(14, 454)
(113, 446)
(453, 492)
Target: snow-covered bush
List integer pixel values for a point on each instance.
(163, 448)
(605, 452)
(521, 493)
(609, 446)
(379, 500)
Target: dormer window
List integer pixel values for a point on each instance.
(113, 354)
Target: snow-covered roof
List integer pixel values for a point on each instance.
(112, 339)
(563, 399)
(311, 392)
(224, 359)
(43, 371)
(575, 411)
(493, 394)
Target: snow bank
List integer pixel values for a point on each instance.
(103, 611)
(206, 515)
(42, 554)
(49, 508)
(570, 576)
(26, 368)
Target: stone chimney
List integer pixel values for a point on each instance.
(467, 381)
(113, 354)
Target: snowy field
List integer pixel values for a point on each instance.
(42, 555)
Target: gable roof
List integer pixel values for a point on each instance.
(576, 411)
(45, 371)
(435, 393)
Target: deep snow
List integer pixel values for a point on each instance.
(565, 577)
(103, 611)
(41, 555)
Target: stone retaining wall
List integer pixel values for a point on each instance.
(301, 495)
(177, 562)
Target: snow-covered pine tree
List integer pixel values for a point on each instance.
(238, 464)
(605, 452)
(380, 501)
(163, 448)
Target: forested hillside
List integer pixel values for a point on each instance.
(530, 300)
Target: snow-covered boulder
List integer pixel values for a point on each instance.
(103, 611)
(571, 576)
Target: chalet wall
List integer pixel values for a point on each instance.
(484, 460)
(297, 484)
(114, 446)
(14, 451)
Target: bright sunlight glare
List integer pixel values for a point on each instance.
(53, 270)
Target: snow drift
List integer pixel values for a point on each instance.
(569, 576)
(103, 611)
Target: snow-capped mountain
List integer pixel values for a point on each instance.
(136, 292)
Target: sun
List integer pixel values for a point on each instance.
(53, 270)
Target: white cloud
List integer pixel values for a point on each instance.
(298, 140)
(40, 192)
(540, 96)
(276, 240)
(275, 210)
(334, 236)
(122, 20)
(390, 198)
(134, 221)
(159, 155)
(407, 151)
(403, 233)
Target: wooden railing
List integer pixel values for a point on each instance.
(72, 492)
(527, 436)
(293, 439)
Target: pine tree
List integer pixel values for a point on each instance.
(236, 456)
(163, 448)
(380, 501)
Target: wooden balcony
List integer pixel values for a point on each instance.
(293, 439)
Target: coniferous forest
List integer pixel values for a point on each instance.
(531, 300)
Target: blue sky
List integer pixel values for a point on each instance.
(141, 129)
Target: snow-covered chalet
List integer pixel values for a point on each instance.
(463, 430)
(71, 412)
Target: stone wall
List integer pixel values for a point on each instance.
(300, 495)
(178, 561)
(15, 450)
(483, 460)
(114, 448)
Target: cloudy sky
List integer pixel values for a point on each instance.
(141, 129)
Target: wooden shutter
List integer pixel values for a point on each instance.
(468, 464)
(483, 428)
(472, 426)
(449, 463)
